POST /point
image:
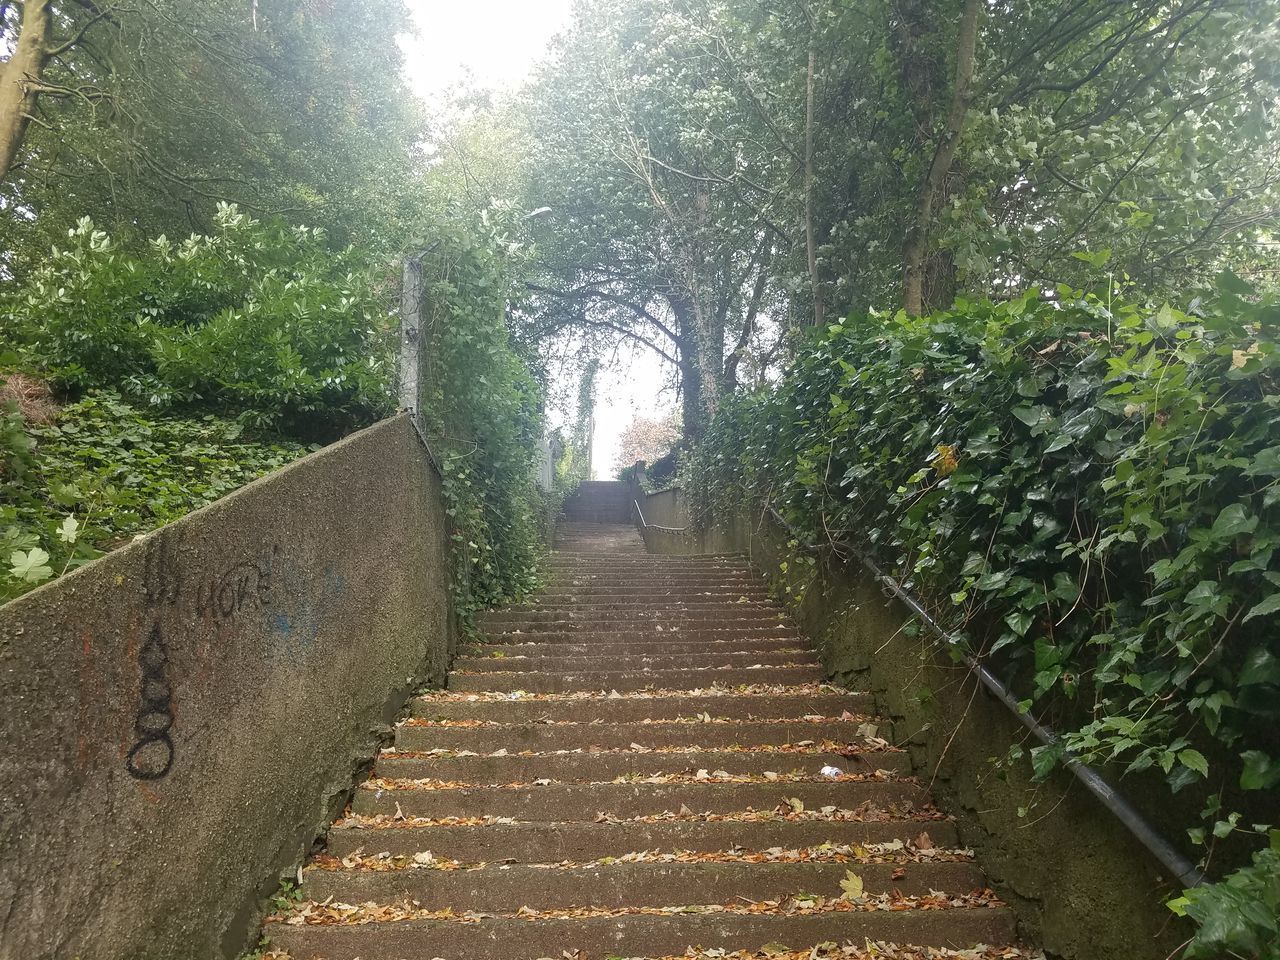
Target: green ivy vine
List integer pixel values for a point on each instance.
(1088, 491)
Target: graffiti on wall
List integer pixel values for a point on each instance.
(265, 592)
(151, 756)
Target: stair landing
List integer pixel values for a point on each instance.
(642, 762)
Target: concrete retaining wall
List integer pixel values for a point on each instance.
(183, 716)
(1082, 887)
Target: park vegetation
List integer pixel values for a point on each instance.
(992, 283)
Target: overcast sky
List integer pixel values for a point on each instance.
(497, 42)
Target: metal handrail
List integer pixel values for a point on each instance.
(1111, 798)
(654, 526)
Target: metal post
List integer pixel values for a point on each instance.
(411, 335)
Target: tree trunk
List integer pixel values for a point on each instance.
(734, 359)
(915, 266)
(699, 381)
(811, 243)
(692, 416)
(19, 79)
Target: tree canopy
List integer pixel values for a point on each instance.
(145, 114)
(721, 171)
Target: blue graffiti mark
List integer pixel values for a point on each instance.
(307, 605)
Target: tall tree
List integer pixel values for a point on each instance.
(659, 230)
(718, 168)
(146, 114)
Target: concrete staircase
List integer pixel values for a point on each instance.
(633, 766)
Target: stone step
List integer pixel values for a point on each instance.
(551, 663)
(650, 739)
(587, 767)
(585, 801)
(640, 566)
(720, 613)
(644, 592)
(654, 628)
(580, 633)
(508, 887)
(597, 580)
(566, 553)
(544, 737)
(603, 607)
(584, 841)
(636, 935)
(537, 682)
(605, 648)
(780, 702)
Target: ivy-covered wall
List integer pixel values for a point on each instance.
(1082, 887)
(184, 715)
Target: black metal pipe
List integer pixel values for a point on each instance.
(1111, 798)
(1119, 806)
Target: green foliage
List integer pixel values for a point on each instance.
(574, 463)
(671, 143)
(1089, 490)
(257, 319)
(1241, 915)
(105, 471)
(482, 410)
(164, 108)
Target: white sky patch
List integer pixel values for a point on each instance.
(632, 387)
(495, 43)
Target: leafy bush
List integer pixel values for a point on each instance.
(1088, 490)
(482, 411)
(259, 320)
(1241, 915)
(260, 328)
(105, 471)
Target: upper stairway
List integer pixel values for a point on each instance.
(641, 761)
(599, 502)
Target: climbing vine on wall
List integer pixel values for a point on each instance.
(1088, 491)
(482, 409)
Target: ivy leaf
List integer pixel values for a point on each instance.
(1031, 416)
(1267, 462)
(1194, 760)
(1019, 621)
(1061, 441)
(1044, 759)
(1260, 772)
(31, 566)
(1260, 666)
(1269, 605)
(1232, 522)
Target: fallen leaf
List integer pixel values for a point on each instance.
(852, 886)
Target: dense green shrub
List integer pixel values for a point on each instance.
(180, 349)
(105, 471)
(259, 320)
(1089, 491)
(482, 409)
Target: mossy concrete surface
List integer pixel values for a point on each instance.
(183, 716)
(1082, 886)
